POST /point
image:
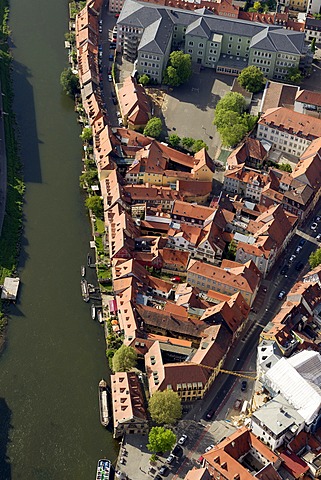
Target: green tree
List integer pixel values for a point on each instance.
(251, 78)
(285, 167)
(165, 407)
(125, 359)
(174, 140)
(161, 440)
(90, 177)
(86, 134)
(231, 250)
(153, 127)
(313, 48)
(144, 80)
(231, 101)
(317, 16)
(198, 145)
(70, 37)
(257, 6)
(179, 69)
(187, 142)
(227, 118)
(315, 258)
(294, 75)
(250, 121)
(95, 204)
(231, 137)
(69, 82)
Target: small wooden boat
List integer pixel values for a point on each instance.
(89, 260)
(83, 270)
(103, 403)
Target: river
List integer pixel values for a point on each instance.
(55, 355)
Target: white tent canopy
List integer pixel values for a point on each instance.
(298, 379)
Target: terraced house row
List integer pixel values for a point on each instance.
(147, 33)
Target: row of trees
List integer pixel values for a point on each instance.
(231, 121)
(186, 142)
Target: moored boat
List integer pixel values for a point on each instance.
(100, 316)
(103, 403)
(104, 468)
(84, 290)
(93, 311)
(89, 260)
(83, 270)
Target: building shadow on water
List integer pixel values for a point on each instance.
(27, 128)
(5, 426)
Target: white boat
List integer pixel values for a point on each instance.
(104, 470)
(93, 311)
(100, 316)
(84, 290)
(103, 403)
(83, 270)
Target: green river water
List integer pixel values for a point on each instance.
(55, 355)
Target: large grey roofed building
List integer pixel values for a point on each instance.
(147, 33)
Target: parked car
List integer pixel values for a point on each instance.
(210, 413)
(117, 15)
(284, 269)
(293, 257)
(302, 242)
(113, 94)
(111, 58)
(182, 439)
(314, 226)
(281, 295)
(318, 218)
(177, 451)
(170, 458)
(100, 22)
(200, 459)
(244, 384)
(120, 122)
(112, 46)
(298, 249)
(299, 266)
(158, 477)
(163, 470)
(100, 29)
(115, 101)
(176, 279)
(207, 449)
(100, 47)
(318, 237)
(110, 78)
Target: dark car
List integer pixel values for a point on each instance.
(302, 242)
(177, 451)
(284, 269)
(299, 266)
(158, 477)
(113, 94)
(243, 385)
(281, 295)
(210, 413)
(111, 57)
(112, 46)
(115, 101)
(163, 470)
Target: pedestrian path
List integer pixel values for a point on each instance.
(307, 237)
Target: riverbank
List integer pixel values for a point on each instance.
(12, 204)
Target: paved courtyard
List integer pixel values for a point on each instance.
(188, 110)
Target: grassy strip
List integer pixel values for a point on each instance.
(11, 232)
